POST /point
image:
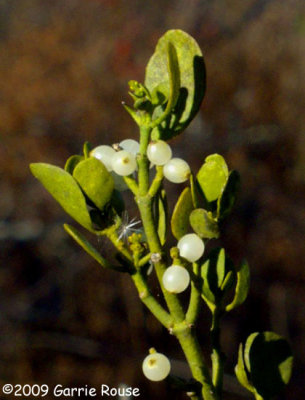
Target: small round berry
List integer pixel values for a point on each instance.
(191, 247)
(176, 279)
(103, 153)
(123, 163)
(176, 170)
(156, 367)
(159, 152)
(130, 145)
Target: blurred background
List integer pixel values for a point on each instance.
(64, 68)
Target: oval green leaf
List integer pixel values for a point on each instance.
(213, 176)
(268, 358)
(162, 216)
(95, 180)
(181, 214)
(204, 224)
(72, 162)
(192, 81)
(65, 190)
(228, 197)
(240, 371)
(242, 286)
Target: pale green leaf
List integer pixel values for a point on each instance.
(204, 224)
(95, 180)
(65, 190)
(213, 176)
(181, 214)
(192, 81)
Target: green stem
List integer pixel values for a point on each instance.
(118, 244)
(156, 183)
(194, 304)
(143, 163)
(132, 184)
(190, 346)
(144, 201)
(180, 328)
(217, 354)
(172, 301)
(151, 303)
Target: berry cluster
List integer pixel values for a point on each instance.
(121, 159)
(176, 278)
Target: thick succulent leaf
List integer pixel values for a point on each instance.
(174, 83)
(204, 224)
(213, 176)
(192, 80)
(72, 162)
(83, 242)
(86, 149)
(227, 199)
(240, 371)
(197, 198)
(162, 216)
(215, 272)
(269, 361)
(206, 292)
(242, 286)
(65, 190)
(181, 214)
(95, 180)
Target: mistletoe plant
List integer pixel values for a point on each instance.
(90, 188)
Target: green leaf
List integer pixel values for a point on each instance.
(242, 286)
(162, 216)
(216, 272)
(86, 149)
(174, 83)
(213, 176)
(192, 81)
(181, 214)
(269, 361)
(195, 190)
(72, 162)
(83, 242)
(206, 292)
(95, 180)
(65, 190)
(228, 196)
(91, 250)
(204, 224)
(240, 371)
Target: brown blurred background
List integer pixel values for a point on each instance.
(64, 67)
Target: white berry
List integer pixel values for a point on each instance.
(176, 170)
(159, 152)
(130, 145)
(191, 247)
(176, 279)
(103, 153)
(156, 367)
(123, 163)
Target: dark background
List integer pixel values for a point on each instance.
(64, 68)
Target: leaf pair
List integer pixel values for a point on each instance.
(218, 185)
(264, 364)
(90, 185)
(175, 72)
(218, 276)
